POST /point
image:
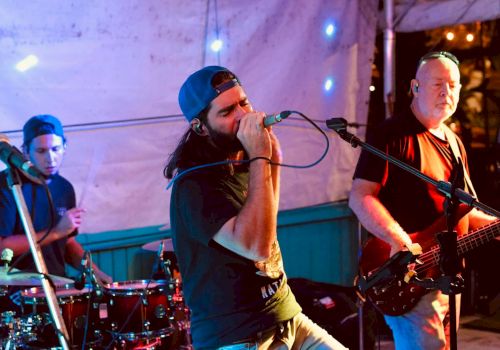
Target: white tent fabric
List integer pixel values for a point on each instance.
(417, 15)
(112, 61)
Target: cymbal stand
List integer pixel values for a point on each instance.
(14, 182)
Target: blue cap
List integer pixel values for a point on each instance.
(197, 91)
(41, 125)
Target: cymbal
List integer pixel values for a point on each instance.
(19, 278)
(168, 246)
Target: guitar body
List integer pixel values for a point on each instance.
(398, 297)
(395, 298)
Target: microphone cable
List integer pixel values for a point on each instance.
(243, 161)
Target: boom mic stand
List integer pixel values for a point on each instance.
(450, 283)
(14, 182)
(339, 125)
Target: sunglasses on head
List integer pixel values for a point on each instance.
(438, 54)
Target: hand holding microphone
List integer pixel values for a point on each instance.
(253, 134)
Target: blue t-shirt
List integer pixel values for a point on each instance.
(43, 217)
(231, 298)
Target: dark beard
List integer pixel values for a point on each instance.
(226, 143)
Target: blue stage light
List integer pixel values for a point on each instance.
(329, 84)
(216, 45)
(330, 30)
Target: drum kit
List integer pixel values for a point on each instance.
(139, 314)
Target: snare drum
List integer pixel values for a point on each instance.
(140, 309)
(75, 306)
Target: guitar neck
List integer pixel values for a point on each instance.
(465, 243)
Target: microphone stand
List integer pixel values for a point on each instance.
(97, 285)
(163, 265)
(449, 283)
(14, 182)
(339, 125)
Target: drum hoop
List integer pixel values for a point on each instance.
(36, 295)
(119, 288)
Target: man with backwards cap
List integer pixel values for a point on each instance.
(224, 220)
(44, 145)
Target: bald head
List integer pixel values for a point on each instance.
(436, 89)
(428, 67)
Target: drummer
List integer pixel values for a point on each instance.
(44, 145)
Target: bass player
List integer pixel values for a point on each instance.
(391, 203)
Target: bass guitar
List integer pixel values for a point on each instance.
(396, 297)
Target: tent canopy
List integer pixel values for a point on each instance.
(111, 71)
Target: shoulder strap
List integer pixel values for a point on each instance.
(452, 141)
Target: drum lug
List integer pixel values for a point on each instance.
(160, 311)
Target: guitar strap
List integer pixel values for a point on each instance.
(452, 141)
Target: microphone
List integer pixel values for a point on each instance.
(80, 281)
(13, 157)
(275, 118)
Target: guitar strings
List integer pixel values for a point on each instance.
(431, 257)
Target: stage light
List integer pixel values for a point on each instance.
(27, 63)
(216, 45)
(372, 88)
(450, 36)
(330, 29)
(328, 85)
(469, 37)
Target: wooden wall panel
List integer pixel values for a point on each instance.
(318, 243)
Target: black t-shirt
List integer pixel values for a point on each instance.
(63, 196)
(413, 203)
(231, 297)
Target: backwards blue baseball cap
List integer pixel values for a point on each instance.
(41, 125)
(198, 92)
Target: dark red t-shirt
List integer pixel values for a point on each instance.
(412, 202)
